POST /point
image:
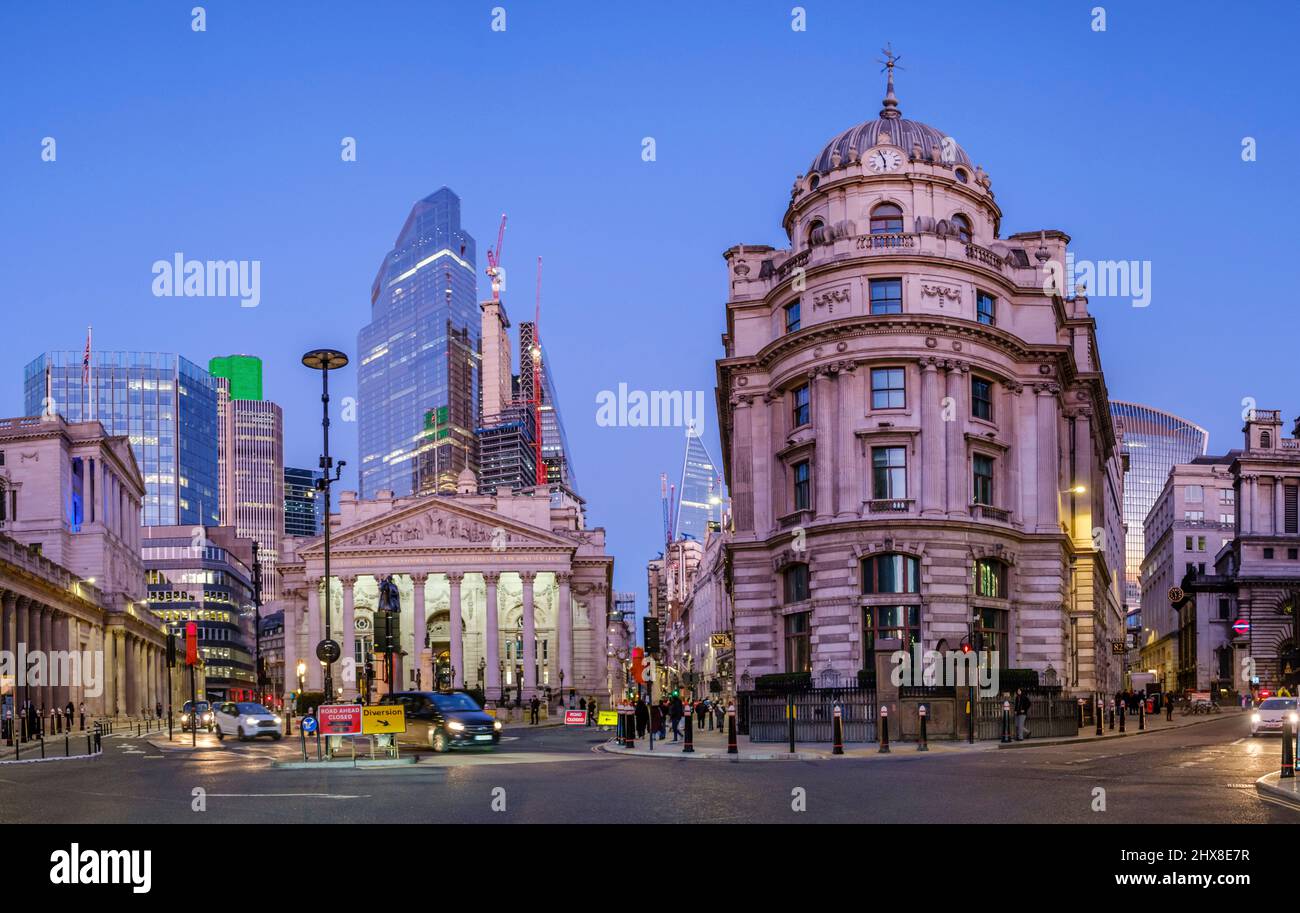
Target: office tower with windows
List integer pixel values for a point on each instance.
(250, 461)
(699, 498)
(164, 404)
(1153, 442)
(420, 353)
(304, 509)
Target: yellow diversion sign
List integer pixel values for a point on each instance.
(388, 719)
(607, 718)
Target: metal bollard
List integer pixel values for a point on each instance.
(1142, 716)
(67, 747)
(1110, 717)
(1079, 725)
(689, 747)
(789, 720)
(924, 743)
(731, 729)
(837, 731)
(629, 732)
(884, 730)
(1288, 760)
(1122, 714)
(1099, 709)
(1006, 722)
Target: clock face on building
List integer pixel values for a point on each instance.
(884, 160)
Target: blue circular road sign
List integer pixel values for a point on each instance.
(308, 724)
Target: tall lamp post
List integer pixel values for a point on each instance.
(327, 360)
(257, 622)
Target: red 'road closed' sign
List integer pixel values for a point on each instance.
(575, 718)
(339, 719)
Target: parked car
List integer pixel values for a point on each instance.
(196, 710)
(248, 721)
(445, 719)
(1269, 715)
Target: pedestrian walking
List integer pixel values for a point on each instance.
(157, 711)
(82, 711)
(1022, 713)
(67, 715)
(534, 708)
(655, 720)
(643, 717)
(676, 710)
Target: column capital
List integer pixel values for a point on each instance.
(928, 362)
(528, 576)
(419, 579)
(347, 579)
(455, 577)
(492, 578)
(564, 578)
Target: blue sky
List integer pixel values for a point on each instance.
(225, 144)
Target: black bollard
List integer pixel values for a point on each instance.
(689, 747)
(884, 730)
(1122, 715)
(629, 732)
(1079, 725)
(1110, 718)
(1142, 716)
(789, 721)
(731, 729)
(1100, 707)
(67, 746)
(1006, 722)
(1288, 760)
(924, 743)
(837, 732)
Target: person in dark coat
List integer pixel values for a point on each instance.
(676, 710)
(656, 720)
(1022, 713)
(642, 718)
(67, 715)
(534, 709)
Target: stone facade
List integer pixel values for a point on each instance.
(520, 570)
(1192, 518)
(902, 382)
(71, 579)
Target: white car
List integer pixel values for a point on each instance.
(1268, 716)
(247, 721)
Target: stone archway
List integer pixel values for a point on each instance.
(437, 640)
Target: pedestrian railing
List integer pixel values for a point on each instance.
(1049, 715)
(765, 715)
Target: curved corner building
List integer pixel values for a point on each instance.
(1155, 442)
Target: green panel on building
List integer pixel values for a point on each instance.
(244, 372)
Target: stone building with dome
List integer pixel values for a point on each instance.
(914, 426)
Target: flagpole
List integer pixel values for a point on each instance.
(90, 347)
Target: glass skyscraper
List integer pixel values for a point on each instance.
(419, 354)
(165, 405)
(700, 485)
(304, 513)
(1154, 442)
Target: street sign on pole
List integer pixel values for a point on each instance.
(308, 724)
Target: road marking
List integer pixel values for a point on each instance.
(281, 796)
(1238, 742)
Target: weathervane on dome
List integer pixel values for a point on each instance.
(890, 61)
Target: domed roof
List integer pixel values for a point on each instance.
(903, 133)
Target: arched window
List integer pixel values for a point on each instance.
(886, 219)
(963, 227)
(991, 578)
(1265, 439)
(816, 232)
(891, 573)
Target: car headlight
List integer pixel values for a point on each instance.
(185, 717)
(251, 721)
(496, 724)
(456, 727)
(1254, 717)
(277, 720)
(1293, 718)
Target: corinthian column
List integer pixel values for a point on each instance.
(457, 633)
(824, 419)
(932, 444)
(492, 634)
(564, 628)
(1049, 484)
(315, 678)
(418, 629)
(531, 658)
(958, 498)
(348, 635)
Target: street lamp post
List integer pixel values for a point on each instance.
(257, 621)
(327, 360)
(502, 679)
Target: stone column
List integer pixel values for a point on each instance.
(1279, 510)
(932, 443)
(742, 465)
(849, 408)
(824, 430)
(119, 673)
(9, 623)
(492, 636)
(564, 627)
(955, 469)
(418, 631)
(1049, 485)
(315, 675)
(47, 646)
(1082, 519)
(1011, 428)
(62, 689)
(348, 636)
(531, 654)
(290, 642)
(761, 447)
(454, 579)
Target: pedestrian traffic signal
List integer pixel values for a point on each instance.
(676, 693)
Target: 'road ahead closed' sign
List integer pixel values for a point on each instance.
(575, 718)
(388, 719)
(339, 719)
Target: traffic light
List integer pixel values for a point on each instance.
(965, 645)
(676, 693)
(650, 633)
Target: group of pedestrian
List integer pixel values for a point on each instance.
(656, 717)
(1129, 700)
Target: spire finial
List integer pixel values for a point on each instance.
(891, 60)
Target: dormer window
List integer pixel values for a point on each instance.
(962, 175)
(886, 219)
(963, 227)
(1265, 440)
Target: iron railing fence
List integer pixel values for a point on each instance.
(763, 715)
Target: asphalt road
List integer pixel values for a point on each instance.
(1200, 774)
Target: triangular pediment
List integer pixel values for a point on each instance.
(438, 523)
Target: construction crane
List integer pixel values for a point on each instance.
(537, 375)
(667, 495)
(494, 260)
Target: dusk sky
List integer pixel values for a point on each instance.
(225, 144)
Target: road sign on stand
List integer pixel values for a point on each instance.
(340, 719)
(575, 718)
(383, 719)
(308, 724)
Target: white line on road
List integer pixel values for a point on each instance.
(281, 796)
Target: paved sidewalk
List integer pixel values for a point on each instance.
(712, 745)
(1283, 792)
